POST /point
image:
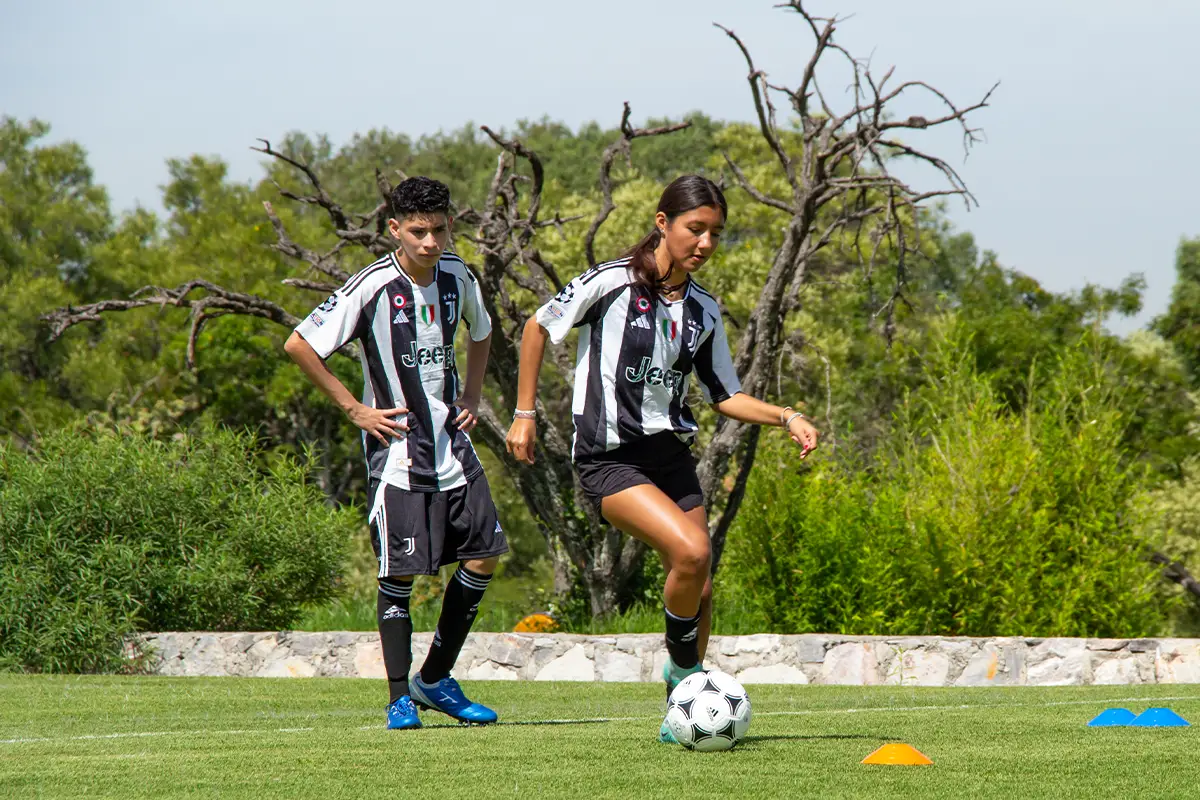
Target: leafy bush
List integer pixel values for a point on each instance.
(106, 533)
(971, 520)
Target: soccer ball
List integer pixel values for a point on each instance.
(708, 711)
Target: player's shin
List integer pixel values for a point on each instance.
(395, 633)
(464, 592)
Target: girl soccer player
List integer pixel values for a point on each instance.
(645, 327)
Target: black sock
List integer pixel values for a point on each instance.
(683, 640)
(463, 593)
(395, 633)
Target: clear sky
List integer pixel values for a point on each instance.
(1086, 174)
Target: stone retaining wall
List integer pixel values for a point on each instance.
(761, 658)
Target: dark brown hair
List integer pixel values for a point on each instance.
(683, 194)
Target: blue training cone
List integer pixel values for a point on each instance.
(1160, 718)
(1113, 718)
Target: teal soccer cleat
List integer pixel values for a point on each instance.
(673, 675)
(402, 715)
(446, 696)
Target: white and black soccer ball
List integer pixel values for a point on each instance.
(708, 711)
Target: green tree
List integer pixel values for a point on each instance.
(1180, 325)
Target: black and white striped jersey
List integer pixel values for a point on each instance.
(406, 333)
(636, 352)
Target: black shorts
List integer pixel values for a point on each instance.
(415, 533)
(662, 460)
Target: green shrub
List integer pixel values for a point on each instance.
(969, 521)
(106, 533)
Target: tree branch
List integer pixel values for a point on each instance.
(622, 146)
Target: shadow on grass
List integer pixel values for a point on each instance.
(533, 722)
(795, 737)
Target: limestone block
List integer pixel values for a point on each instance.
(756, 643)
(342, 639)
(1118, 670)
(261, 649)
(574, 665)
(368, 660)
(290, 667)
(206, 656)
(308, 644)
(811, 648)
(619, 667)
(635, 644)
(511, 649)
(240, 642)
(851, 664)
(490, 671)
(996, 663)
(773, 673)
(1178, 661)
(1057, 662)
(918, 667)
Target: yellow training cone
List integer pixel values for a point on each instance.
(897, 753)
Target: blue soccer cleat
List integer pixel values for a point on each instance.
(402, 715)
(673, 675)
(446, 696)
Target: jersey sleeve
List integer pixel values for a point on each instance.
(335, 322)
(569, 308)
(714, 366)
(474, 313)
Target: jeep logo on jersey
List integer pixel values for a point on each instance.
(451, 301)
(670, 378)
(425, 356)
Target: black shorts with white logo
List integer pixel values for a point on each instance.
(415, 533)
(661, 459)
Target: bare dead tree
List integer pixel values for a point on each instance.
(503, 232)
(837, 166)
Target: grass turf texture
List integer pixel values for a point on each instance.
(135, 737)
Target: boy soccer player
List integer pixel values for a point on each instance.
(430, 504)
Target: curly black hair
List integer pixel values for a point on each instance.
(419, 195)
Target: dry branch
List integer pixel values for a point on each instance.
(622, 146)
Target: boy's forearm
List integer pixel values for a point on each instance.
(314, 368)
(477, 358)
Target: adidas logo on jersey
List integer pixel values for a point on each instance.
(640, 322)
(401, 318)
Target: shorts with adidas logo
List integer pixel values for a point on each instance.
(416, 533)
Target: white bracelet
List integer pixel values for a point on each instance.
(787, 426)
(783, 413)
(519, 413)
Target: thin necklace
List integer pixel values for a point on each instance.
(670, 289)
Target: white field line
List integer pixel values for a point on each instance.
(586, 720)
(144, 734)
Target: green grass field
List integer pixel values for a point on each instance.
(131, 737)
